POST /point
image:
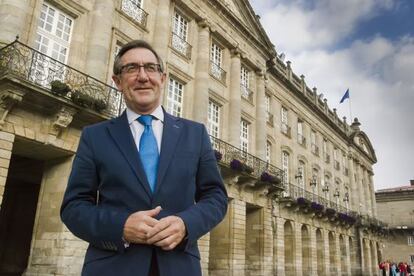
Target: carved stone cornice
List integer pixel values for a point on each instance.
(8, 99)
(63, 118)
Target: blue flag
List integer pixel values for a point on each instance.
(345, 96)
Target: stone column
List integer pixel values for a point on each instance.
(313, 252)
(327, 252)
(13, 20)
(366, 191)
(204, 246)
(267, 246)
(361, 189)
(337, 254)
(348, 263)
(162, 29)
(6, 146)
(371, 185)
(297, 230)
(200, 106)
(260, 116)
(374, 258)
(279, 244)
(235, 99)
(353, 196)
(100, 39)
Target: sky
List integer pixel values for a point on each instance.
(366, 46)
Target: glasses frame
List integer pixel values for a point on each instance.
(135, 68)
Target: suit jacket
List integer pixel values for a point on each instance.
(108, 183)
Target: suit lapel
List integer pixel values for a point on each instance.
(170, 135)
(121, 133)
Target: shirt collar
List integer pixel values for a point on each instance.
(157, 113)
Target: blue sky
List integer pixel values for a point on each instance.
(366, 46)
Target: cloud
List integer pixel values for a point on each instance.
(377, 71)
(297, 25)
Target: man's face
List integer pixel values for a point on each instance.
(141, 87)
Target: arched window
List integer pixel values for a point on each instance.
(285, 166)
(301, 175)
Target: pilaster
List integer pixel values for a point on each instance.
(297, 230)
(200, 107)
(279, 246)
(235, 100)
(260, 116)
(162, 29)
(100, 39)
(6, 146)
(313, 252)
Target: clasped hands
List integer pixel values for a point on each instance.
(142, 227)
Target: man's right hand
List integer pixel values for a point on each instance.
(138, 225)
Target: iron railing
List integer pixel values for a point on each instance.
(39, 69)
(134, 11)
(259, 166)
(294, 191)
(246, 93)
(180, 45)
(217, 72)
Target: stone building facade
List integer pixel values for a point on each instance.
(299, 178)
(396, 208)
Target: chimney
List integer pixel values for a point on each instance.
(412, 182)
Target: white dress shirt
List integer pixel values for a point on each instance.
(137, 128)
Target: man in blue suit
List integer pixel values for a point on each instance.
(145, 186)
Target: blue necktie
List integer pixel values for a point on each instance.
(148, 151)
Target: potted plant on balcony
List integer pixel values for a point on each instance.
(267, 177)
(218, 155)
(317, 208)
(59, 88)
(82, 98)
(237, 165)
(330, 212)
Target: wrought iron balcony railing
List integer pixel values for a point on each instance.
(294, 191)
(285, 129)
(269, 118)
(315, 149)
(301, 140)
(26, 63)
(135, 12)
(246, 93)
(180, 45)
(217, 72)
(229, 153)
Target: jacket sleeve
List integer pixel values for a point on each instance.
(85, 218)
(211, 197)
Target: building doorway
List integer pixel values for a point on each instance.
(17, 213)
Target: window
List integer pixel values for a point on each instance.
(412, 258)
(411, 240)
(325, 151)
(244, 135)
(301, 175)
(133, 8)
(284, 118)
(285, 166)
(179, 36)
(268, 151)
(346, 197)
(269, 116)
(214, 119)
(314, 147)
(301, 138)
(314, 180)
(175, 97)
(325, 187)
(345, 165)
(244, 84)
(336, 159)
(215, 64)
(53, 39)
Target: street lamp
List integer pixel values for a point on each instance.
(336, 195)
(313, 182)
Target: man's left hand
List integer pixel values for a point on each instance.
(167, 233)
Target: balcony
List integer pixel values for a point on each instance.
(315, 149)
(135, 12)
(246, 93)
(336, 165)
(258, 168)
(217, 72)
(21, 65)
(285, 129)
(301, 140)
(327, 158)
(269, 118)
(180, 45)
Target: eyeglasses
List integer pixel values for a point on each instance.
(133, 68)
